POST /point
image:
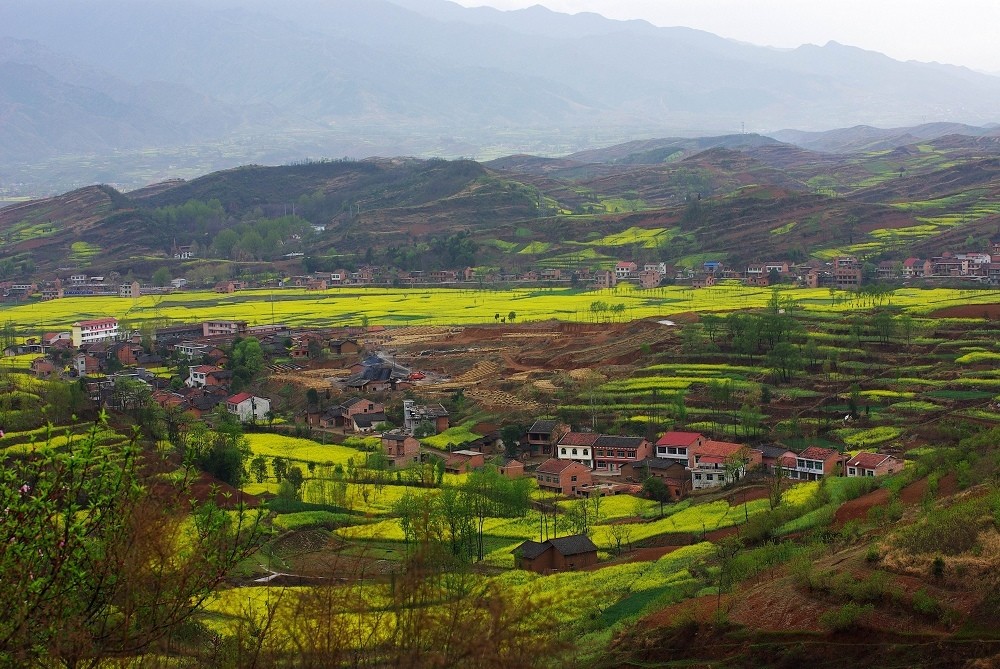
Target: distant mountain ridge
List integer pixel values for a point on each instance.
(239, 81)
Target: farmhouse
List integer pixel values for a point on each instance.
(543, 435)
(512, 469)
(675, 445)
(873, 464)
(248, 407)
(562, 477)
(611, 452)
(562, 554)
(578, 447)
(415, 414)
(402, 448)
(814, 463)
(716, 463)
(460, 462)
(673, 474)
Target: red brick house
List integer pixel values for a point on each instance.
(403, 449)
(674, 475)
(611, 452)
(512, 469)
(774, 456)
(460, 462)
(561, 554)
(42, 368)
(562, 477)
(872, 464)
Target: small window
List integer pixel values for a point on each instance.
(697, 477)
(574, 451)
(564, 451)
(572, 478)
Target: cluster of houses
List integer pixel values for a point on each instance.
(582, 463)
(844, 272)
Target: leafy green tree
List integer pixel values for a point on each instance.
(295, 477)
(161, 277)
(94, 565)
(785, 360)
(656, 490)
(279, 466)
(258, 467)
(511, 435)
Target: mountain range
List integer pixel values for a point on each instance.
(133, 92)
(738, 198)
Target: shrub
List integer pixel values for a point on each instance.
(924, 604)
(847, 617)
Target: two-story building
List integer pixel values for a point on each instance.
(675, 445)
(814, 463)
(402, 448)
(716, 463)
(543, 435)
(415, 414)
(249, 408)
(611, 452)
(562, 477)
(578, 447)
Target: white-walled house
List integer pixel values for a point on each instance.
(248, 407)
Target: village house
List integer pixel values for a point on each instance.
(217, 328)
(42, 368)
(346, 414)
(675, 445)
(611, 452)
(872, 464)
(512, 469)
(625, 270)
(578, 447)
(916, 268)
(463, 461)
(198, 375)
(402, 448)
(674, 474)
(562, 477)
(543, 435)
(249, 408)
(604, 279)
(814, 463)
(344, 347)
(432, 414)
(649, 279)
(561, 554)
(773, 457)
(716, 463)
(86, 365)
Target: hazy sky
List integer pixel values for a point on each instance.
(959, 32)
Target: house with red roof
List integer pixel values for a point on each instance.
(562, 477)
(873, 464)
(578, 447)
(98, 329)
(814, 463)
(675, 445)
(612, 452)
(249, 408)
(716, 463)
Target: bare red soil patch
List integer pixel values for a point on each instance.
(990, 311)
